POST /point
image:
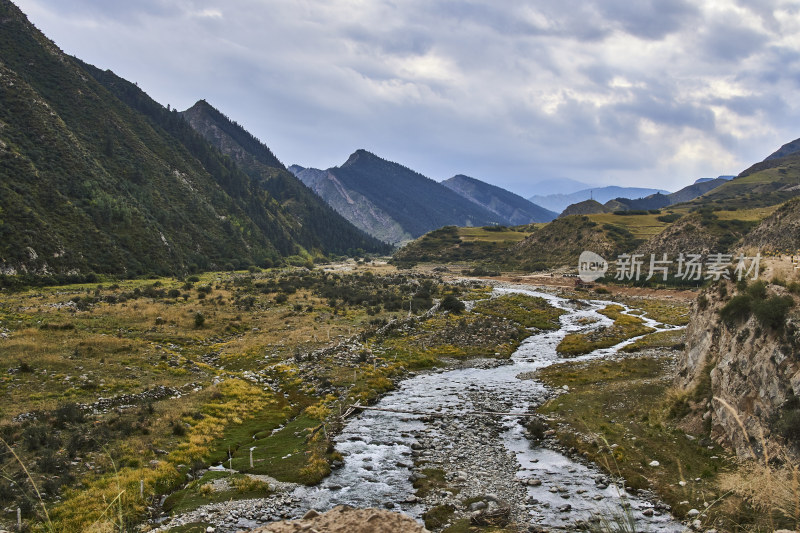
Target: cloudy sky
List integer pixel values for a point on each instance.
(647, 92)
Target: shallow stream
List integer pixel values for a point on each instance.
(378, 445)
(484, 457)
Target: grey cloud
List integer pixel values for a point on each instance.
(131, 11)
(666, 109)
(649, 19)
(730, 42)
(316, 79)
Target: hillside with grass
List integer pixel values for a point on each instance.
(452, 244)
(95, 176)
(770, 182)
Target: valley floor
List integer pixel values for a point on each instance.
(118, 397)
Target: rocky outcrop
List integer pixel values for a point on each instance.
(344, 519)
(738, 375)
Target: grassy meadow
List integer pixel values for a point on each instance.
(110, 385)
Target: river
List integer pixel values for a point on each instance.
(484, 457)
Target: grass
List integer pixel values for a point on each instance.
(616, 412)
(660, 339)
(245, 372)
(755, 214)
(201, 491)
(529, 311)
(641, 226)
(624, 327)
(673, 312)
(481, 234)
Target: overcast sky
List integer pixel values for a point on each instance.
(650, 93)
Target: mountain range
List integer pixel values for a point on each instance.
(559, 202)
(95, 176)
(653, 201)
(396, 204)
(514, 209)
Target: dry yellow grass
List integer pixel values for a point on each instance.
(770, 487)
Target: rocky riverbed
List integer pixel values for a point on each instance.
(466, 465)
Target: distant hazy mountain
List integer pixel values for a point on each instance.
(390, 201)
(559, 202)
(559, 186)
(653, 201)
(512, 208)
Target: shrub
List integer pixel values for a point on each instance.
(788, 422)
(199, 320)
(453, 304)
(772, 312)
(737, 309)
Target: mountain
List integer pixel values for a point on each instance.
(95, 176)
(698, 188)
(385, 198)
(352, 205)
(785, 150)
(724, 178)
(316, 225)
(779, 232)
(513, 209)
(772, 181)
(653, 201)
(559, 202)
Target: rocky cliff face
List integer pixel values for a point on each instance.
(740, 364)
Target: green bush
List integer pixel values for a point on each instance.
(670, 218)
(453, 304)
(772, 311)
(788, 421)
(737, 309)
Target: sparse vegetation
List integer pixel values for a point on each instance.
(625, 326)
(616, 412)
(200, 393)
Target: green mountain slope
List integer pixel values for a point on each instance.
(773, 181)
(513, 209)
(316, 225)
(96, 176)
